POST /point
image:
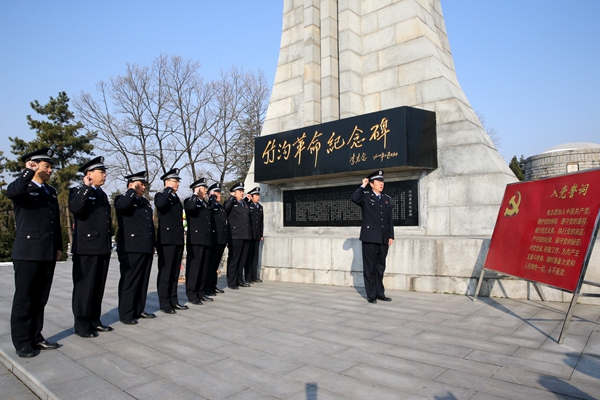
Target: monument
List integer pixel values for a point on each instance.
(341, 60)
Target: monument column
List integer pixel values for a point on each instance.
(346, 58)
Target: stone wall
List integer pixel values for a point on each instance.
(555, 163)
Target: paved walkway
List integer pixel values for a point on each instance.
(297, 341)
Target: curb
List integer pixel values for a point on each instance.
(38, 388)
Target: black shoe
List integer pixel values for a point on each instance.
(383, 298)
(104, 328)
(257, 280)
(233, 287)
(180, 307)
(196, 302)
(26, 352)
(146, 315)
(210, 294)
(243, 284)
(219, 290)
(250, 282)
(372, 301)
(88, 334)
(129, 321)
(169, 311)
(206, 298)
(45, 345)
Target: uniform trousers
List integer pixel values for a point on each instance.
(236, 260)
(133, 285)
(89, 280)
(169, 266)
(251, 268)
(196, 271)
(33, 280)
(374, 255)
(216, 253)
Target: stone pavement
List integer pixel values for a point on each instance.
(297, 341)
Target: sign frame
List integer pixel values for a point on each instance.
(576, 292)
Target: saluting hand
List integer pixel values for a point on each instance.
(32, 165)
(87, 180)
(365, 182)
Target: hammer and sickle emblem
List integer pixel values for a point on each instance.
(513, 205)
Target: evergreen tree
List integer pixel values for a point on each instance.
(518, 167)
(71, 148)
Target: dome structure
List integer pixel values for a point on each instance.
(562, 159)
(572, 146)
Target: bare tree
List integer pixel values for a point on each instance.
(240, 105)
(151, 118)
(491, 131)
(256, 96)
(164, 115)
(190, 101)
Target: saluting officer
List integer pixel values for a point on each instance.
(219, 237)
(198, 243)
(238, 216)
(170, 242)
(91, 248)
(256, 230)
(376, 233)
(135, 248)
(37, 247)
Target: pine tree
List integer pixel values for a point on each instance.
(517, 167)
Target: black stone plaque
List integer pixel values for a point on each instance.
(399, 138)
(332, 206)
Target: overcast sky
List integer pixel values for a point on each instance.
(531, 67)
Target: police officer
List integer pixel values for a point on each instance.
(219, 237)
(37, 247)
(135, 248)
(169, 242)
(91, 248)
(376, 233)
(198, 243)
(238, 216)
(256, 230)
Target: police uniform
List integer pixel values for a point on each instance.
(256, 231)
(169, 244)
(135, 249)
(376, 230)
(219, 239)
(91, 252)
(37, 242)
(198, 245)
(238, 216)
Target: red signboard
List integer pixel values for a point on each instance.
(544, 228)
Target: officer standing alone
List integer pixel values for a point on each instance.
(376, 233)
(135, 247)
(37, 247)
(91, 248)
(169, 242)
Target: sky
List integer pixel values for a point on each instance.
(530, 67)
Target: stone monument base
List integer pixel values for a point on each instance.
(422, 264)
